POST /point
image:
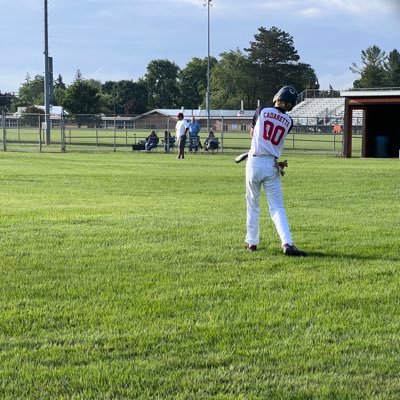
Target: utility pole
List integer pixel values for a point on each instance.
(208, 4)
(47, 91)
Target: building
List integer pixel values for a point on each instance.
(220, 120)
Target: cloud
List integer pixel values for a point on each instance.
(308, 8)
(311, 12)
(393, 4)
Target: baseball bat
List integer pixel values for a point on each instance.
(241, 157)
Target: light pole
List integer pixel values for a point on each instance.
(207, 3)
(46, 75)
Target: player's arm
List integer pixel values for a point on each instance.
(242, 157)
(254, 120)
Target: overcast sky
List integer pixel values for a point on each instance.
(116, 39)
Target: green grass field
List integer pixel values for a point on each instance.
(124, 276)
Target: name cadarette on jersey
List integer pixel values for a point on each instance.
(278, 117)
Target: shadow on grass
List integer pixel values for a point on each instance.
(316, 254)
(328, 256)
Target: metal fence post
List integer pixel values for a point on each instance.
(115, 135)
(222, 135)
(40, 133)
(167, 137)
(62, 124)
(3, 124)
(342, 138)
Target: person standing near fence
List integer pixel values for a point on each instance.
(181, 129)
(194, 138)
(269, 128)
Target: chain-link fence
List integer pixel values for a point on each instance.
(94, 133)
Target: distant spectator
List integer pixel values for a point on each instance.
(212, 142)
(151, 141)
(194, 127)
(181, 129)
(194, 138)
(169, 141)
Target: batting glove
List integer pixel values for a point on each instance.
(281, 166)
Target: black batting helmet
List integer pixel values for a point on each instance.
(288, 94)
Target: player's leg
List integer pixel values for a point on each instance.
(273, 190)
(253, 188)
(182, 146)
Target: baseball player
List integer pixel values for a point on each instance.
(181, 129)
(269, 128)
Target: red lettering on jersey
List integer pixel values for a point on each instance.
(278, 117)
(273, 133)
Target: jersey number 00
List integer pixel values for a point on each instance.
(273, 133)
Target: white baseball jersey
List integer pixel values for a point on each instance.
(270, 127)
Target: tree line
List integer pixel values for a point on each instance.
(249, 75)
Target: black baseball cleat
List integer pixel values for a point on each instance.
(251, 247)
(291, 250)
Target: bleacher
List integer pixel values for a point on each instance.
(318, 107)
(322, 110)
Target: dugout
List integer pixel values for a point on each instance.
(381, 128)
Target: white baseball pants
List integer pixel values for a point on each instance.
(261, 171)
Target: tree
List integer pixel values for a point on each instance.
(137, 104)
(392, 69)
(232, 81)
(81, 97)
(272, 47)
(30, 116)
(107, 87)
(300, 75)
(372, 73)
(107, 100)
(6, 100)
(130, 97)
(59, 83)
(276, 63)
(161, 80)
(31, 92)
(193, 82)
(94, 83)
(78, 76)
(106, 103)
(58, 91)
